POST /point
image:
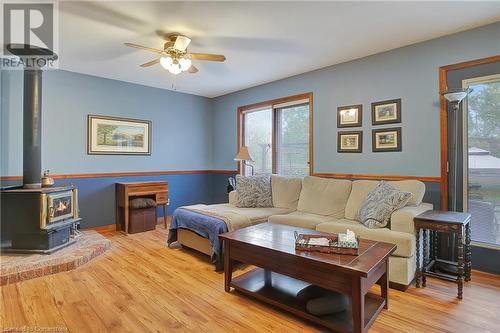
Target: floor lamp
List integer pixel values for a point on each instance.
(244, 156)
(455, 97)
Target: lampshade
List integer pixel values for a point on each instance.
(456, 95)
(243, 155)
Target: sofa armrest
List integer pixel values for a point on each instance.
(233, 197)
(402, 219)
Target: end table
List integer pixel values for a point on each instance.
(434, 221)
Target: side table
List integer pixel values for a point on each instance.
(434, 221)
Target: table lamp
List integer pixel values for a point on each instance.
(244, 156)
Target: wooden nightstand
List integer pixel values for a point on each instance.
(434, 221)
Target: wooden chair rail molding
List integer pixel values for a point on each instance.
(355, 176)
(127, 174)
(443, 86)
(431, 179)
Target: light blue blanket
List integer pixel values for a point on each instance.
(204, 225)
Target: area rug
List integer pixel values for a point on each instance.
(19, 267)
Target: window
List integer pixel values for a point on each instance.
(482, 163)
(292, 140)
(258, 138)
(277, 135)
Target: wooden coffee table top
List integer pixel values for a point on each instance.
(280, 237)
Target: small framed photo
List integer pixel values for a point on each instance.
(386, 139)
(350, 142)
(386, 112)
(349, 116)
(118, 136)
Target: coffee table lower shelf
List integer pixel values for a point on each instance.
(280, 290)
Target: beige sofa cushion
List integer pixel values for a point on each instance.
(285, 191)
(324, 196)
(415, 187)
(233, 198)
(256, 215)
(402, 219)
(359, 191)
(405, 242)
(301, 219)
(361, 188)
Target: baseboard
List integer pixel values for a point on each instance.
(112, 227)
(103, 228)
(398, 286)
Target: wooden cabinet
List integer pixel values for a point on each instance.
(157, 190)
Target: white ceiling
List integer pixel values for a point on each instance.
(263, 41)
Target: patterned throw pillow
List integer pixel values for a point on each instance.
(380, 203)
(253, 191)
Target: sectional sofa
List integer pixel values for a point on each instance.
(331, 205)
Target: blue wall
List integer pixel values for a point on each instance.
(197, 133)
(97, 195)
(409, 73)
(182, 134)
(181, 137)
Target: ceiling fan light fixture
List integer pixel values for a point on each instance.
(185, 63)
(175, 68)
(175, 58)
(166, 62)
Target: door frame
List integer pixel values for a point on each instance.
(443, 118)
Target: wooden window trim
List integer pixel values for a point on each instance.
(272, 103)
(443, 120)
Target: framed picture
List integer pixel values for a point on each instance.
(349, 116)
(386, 112)
(387, 139)
(350, 142)
(118, 136)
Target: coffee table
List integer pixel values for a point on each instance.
(282, 271)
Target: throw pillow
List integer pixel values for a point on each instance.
(380, 203)
(253, 191)
(331, 303)
(139, 203)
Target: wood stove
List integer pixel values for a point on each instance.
(39, 220)
(36, 219)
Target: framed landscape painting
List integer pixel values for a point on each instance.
(118, 136)
(350, 142)
(386, 112)
(349, 116)
(387, 139)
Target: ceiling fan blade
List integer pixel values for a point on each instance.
(151, 63)
(208, 57)
(140, 47)
(181, 43)
(192, 69)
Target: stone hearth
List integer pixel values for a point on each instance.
(19, 267)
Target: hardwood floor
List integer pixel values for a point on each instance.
(142, 286)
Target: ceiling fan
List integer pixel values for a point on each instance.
(174, 57)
